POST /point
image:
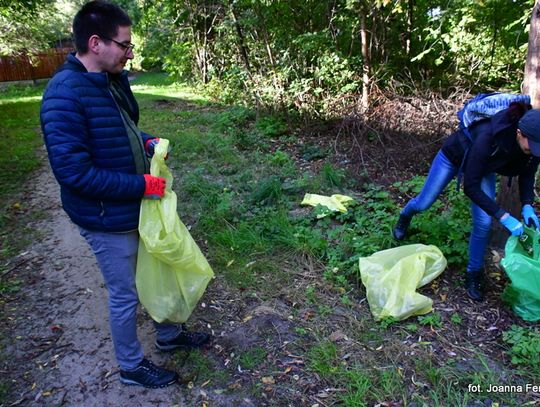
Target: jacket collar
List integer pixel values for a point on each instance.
(99, 78)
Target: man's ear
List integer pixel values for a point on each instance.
(94, 44)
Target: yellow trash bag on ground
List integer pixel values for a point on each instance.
(172, 273)
(392, 276)
(334, 203)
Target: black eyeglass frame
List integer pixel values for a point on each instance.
(125, 47)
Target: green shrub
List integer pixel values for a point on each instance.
(525, 347)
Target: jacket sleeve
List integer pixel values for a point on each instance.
(526, 182)
(476, 169)
(69, 149)
(146, 137)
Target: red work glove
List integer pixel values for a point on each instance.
(154, 187)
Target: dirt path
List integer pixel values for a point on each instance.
(61, 347)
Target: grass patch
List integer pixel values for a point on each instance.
(252, 358)
(194, 366)
(20, 132)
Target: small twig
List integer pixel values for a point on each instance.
(16, 266)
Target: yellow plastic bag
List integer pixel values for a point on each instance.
(392, 276)
(172, 273)
(334, 203)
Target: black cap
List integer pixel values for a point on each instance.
(529, 125)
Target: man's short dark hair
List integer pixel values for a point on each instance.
(97, 18)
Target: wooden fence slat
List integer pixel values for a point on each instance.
(21, 68)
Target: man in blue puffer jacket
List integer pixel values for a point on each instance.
(100, 159)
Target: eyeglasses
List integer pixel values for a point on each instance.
(126, 47)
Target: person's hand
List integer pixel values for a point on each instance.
(530, 217)
(154, 187)
(514, 226)
(150, 146)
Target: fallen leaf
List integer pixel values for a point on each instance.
(268, 380)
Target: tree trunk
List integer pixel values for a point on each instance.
(532, 65)
(364, 104)
(410, 17)
(241, 40)
(508, 197)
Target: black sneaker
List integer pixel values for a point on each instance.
(148, 375)
(185, 339)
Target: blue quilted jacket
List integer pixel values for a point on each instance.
(89, 149)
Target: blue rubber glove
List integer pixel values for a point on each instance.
(150, 146)
(530, 217)
(514, 226)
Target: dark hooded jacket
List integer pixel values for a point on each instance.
(493, 149)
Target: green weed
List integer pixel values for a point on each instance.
(323, 359)
(359, 385)
(195, 366)
(386, 322)
(271, 126)
(310, 294)
(433, 320)
(411, 327)
(525, 347)
(252, 358)
(332, 177)
(279, 158)
(312, 152)
(456, 319)
(268, 191)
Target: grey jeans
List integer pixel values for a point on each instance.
(116, 254)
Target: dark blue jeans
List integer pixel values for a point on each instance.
(440, 174)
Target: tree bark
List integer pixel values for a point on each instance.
(532, 65)
(410, 22)
(508, 197)
(241, 40)
(364, 104)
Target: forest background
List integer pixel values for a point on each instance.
(315, 58)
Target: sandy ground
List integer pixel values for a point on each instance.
(61, 343)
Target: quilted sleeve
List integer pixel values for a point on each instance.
(66, 136)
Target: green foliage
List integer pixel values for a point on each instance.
(252, 358)
(194, 366)
(271, 126)
(307, 55)
(268, 191)
(433, 320)
(456, 319)
(32, 26)
(525, 347)
(386, 322)
(312, 152)
(279, 158)
(323, 359)
(332, 177)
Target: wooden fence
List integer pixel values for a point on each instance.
(39, 66)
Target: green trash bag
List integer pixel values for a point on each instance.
(522, 265)
(392, 276)
(172, 273)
